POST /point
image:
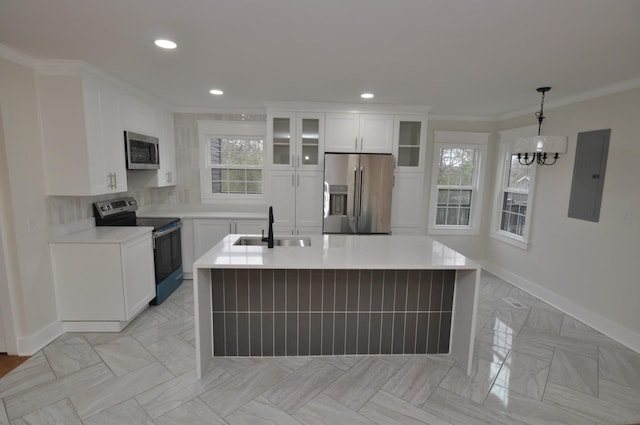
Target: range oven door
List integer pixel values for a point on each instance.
(167, 251)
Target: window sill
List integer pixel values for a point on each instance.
(233, 200)
(444, 230)
(507, 238)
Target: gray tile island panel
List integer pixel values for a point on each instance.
(302, 312)
(343, 294)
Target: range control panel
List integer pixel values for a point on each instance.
(115, 206)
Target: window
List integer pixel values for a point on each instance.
(236, 165)
(232, 160)
(458, 175)
(514, 193)
(514, 198)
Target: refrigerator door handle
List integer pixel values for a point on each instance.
(355, 191)
(361, 190)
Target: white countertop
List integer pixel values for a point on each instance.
(339, 252)
(104, 234)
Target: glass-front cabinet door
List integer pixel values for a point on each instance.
(310, 141)
(410, 141)
(297, 140)
(281, 132)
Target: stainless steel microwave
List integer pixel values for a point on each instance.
(141, 151)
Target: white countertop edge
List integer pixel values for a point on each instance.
(104, 234)
(189, 211)
(339, 252)
(204, 214)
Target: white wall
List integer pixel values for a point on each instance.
(23, 206)
(588, 269)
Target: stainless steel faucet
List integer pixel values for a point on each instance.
(269, 238)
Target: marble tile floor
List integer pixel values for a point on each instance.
(532, 365)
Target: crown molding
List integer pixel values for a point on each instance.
(475, 118)
(247, 111)
(348, 107)
(609, 89)
(63, 67)
(13, 55)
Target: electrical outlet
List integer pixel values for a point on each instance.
(31, 225)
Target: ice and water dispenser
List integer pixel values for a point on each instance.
(338, 199)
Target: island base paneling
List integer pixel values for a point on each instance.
(306, 312)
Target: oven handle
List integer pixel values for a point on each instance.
(168, 230)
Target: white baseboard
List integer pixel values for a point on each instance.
(615, 331)
(94, 326)
(29, 345)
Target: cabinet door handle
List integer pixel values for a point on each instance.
(230, 227)
(356, 148)
(292, 163)
(361, 144)
(115, 181)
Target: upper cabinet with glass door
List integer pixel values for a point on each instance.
(409, 142)
(296, 139)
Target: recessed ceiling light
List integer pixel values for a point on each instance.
(367, 95)
(216, 92)
(166, 44)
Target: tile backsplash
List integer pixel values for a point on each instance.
(62, 210)
(331, 312)
(187, 190)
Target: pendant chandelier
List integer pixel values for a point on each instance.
(544, 150)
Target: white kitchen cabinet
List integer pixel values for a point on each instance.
(295, 140)
(208, 232)
(103, 284)
(82, 133)
(406, 204)
(409, 142)
(167, 172)
(153, 121)
(297, 199)
(352, 132)
(139, 116)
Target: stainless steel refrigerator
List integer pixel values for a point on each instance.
(357, 193)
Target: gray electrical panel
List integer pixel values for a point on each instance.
(589, 168)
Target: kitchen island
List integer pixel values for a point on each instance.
(343, 294)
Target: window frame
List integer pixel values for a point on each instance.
(460, 140)
(208, 130)
(506, 151)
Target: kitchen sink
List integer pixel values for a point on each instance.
(257, 241)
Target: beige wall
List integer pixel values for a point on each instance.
(590, 264)
(23, 199)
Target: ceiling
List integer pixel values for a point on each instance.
(463, 58)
